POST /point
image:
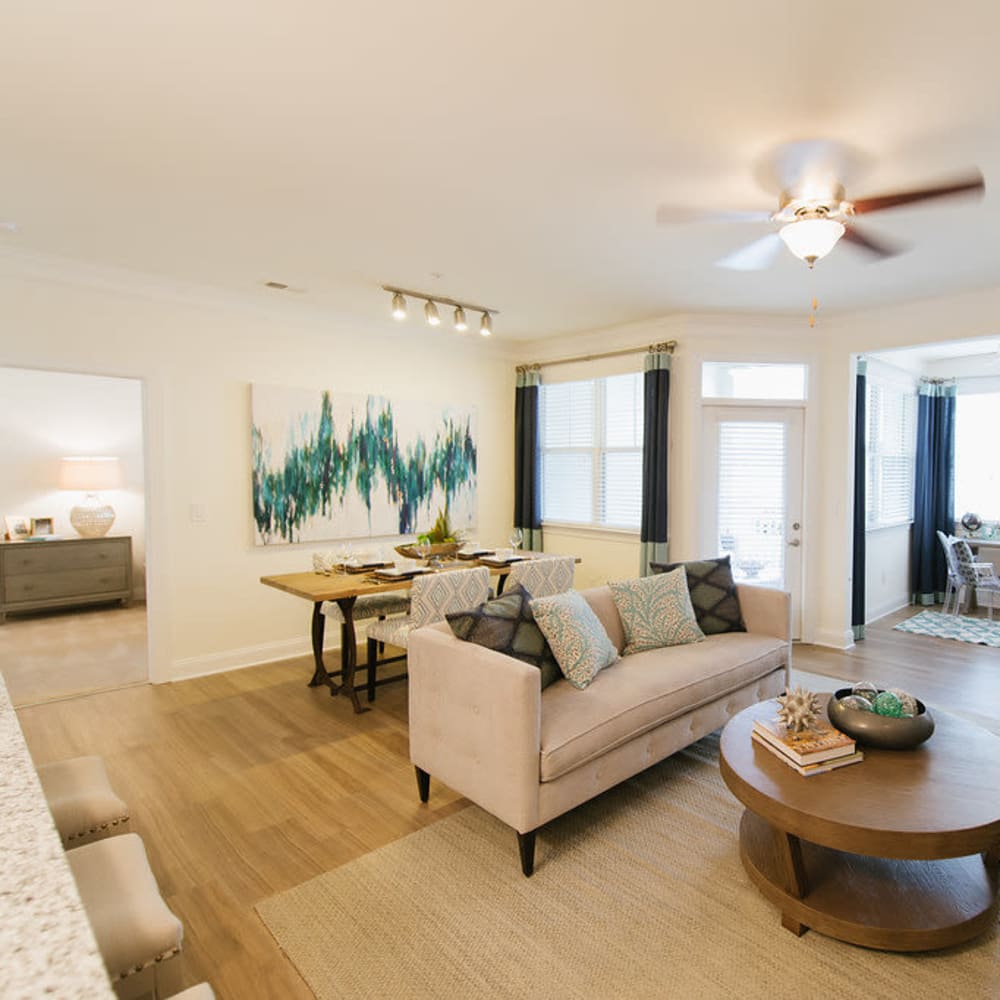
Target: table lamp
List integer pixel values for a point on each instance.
(92, 518)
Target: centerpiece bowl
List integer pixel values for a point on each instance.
(882, 731)
(439, 550)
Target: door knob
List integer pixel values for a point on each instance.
(795, 542)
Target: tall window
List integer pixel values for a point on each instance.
(892, 436)
(977, 475)
(591, 451)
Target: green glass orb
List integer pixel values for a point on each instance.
(888, 704)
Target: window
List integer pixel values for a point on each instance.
(891, 438)
(591, 451)
(732, 380)
(977, 475)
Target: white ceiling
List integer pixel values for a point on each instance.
(518, 149)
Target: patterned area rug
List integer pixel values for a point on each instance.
(638, 894)
(941, 626)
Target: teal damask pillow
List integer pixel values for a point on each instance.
(575, 635)
(656, 611)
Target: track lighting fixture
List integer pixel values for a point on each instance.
(431, 303)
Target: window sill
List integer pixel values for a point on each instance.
(888, 527)
(591, 531)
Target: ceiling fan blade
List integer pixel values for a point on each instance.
(969, 184)
(754, 256)
(671, 215)
(810, 168)
(879, 248)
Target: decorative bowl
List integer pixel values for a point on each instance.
(882, 731)
(441, 550)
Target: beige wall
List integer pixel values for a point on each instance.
(197, 355)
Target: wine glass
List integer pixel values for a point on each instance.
(515, 539)
(423, 549)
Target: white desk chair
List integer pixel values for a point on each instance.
(954, 585)
(432, 597)
(975, 576)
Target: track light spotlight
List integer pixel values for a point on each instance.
(431, 313)
(398, 306)
(486, 325)
(433, 302)
(460, 323)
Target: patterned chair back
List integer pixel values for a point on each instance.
(964, 561)
(543, 577)
(438, 594)
(949, 555)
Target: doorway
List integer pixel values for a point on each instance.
(753, 463)
(74, 605)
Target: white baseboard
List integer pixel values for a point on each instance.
(887, 608)
(248, 656)
(834, 638)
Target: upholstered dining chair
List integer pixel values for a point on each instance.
(380, 606)
(432, 597)
(975, 576)
(954, 585)
(543, 576)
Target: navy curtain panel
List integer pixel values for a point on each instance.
(527, 472)
(933, 494)
(656, 402)
(860, 512)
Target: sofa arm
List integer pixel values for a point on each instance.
(475, 723)
(766, 611)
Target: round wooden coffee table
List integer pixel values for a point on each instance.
(899, 852)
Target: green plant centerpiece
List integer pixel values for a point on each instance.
(440, 542)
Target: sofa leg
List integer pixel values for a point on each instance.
(526, 848)
(423, 784)
(372, 660)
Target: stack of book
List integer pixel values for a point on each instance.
(813, 751)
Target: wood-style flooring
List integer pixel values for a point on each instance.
(246, 783)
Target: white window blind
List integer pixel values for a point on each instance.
(752, 501)
(891, 447)
(591, 451)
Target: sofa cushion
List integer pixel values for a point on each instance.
(603, 605)
(507, 625)
(577, 637)
(713, 593)
(656, 611)
(644, 690)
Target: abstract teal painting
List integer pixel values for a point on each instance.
(337, 465)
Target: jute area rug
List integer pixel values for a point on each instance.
(637, 894)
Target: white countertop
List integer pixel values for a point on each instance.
(47, 947)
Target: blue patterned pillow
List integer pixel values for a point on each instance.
(656, 611)
(575, 635)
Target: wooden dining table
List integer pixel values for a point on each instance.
(344, 588)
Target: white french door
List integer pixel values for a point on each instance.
(753, 495)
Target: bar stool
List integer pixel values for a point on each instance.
(200, 992)
(83, 803)
(138, 937)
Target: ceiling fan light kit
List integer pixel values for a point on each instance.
(811, 239)
(431, 313)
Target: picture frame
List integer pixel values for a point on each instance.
(42, 526)
(18, 526)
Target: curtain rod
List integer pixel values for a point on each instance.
(666, 345)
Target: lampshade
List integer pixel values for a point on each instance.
(811, 239)
(90, 474)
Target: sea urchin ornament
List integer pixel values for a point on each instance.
(798, 710)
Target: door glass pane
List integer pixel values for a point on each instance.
(752, 500)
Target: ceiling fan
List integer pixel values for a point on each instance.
(813, 210)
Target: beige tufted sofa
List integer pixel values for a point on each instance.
(480, 724)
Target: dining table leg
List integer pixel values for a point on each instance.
(349, 655)
(320, 675)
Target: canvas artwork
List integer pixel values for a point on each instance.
(337, 465)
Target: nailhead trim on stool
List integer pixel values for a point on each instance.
(139, 938)
(83, 803)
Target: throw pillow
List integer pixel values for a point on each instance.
(713, 594)
(577, 638)
(507, 625)
(656, 611)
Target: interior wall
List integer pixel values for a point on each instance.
(46, 416)
(887, 570)
(198, 355)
